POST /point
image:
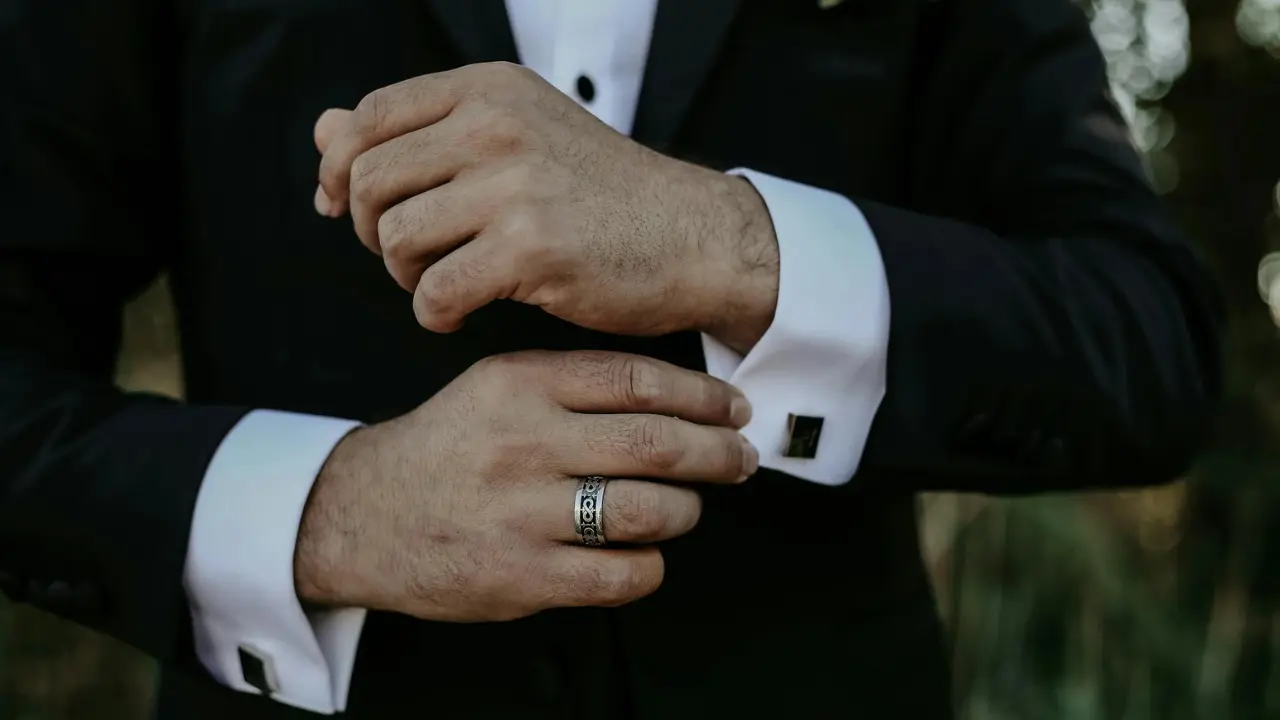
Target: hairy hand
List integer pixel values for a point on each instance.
(462, 510)
(486, 182)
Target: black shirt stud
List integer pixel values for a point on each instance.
(586, 89)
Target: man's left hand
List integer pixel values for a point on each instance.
(485, 182)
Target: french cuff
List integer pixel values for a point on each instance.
(817, 376)
(251, 632)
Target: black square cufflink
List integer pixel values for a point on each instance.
(257, 669)
(803, 434)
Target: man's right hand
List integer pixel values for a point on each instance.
(462, 510)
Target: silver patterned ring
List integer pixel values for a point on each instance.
(588, 511)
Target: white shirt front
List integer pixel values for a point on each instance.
(605, 42)
(824, 355)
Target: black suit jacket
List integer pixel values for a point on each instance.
(1050, 328)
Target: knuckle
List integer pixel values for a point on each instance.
(732, 460)
(504, 71)
(525, 242)
(507, 370)
(635, 382)
(510, 458)
(590, 582)
(735, 458)
(683, 514)
(393, 232)
(496, 586)
(498, 363)
(499, 129)
(430, 303)
(473, 268)
(519, 442)
(528, 243)
(363, 171)
(637, 514)
(718, 398)
(587, 365)
(518, 223)
(651, 444)
(550, 585)
(370, 115)
(507, 363)
(618, 583)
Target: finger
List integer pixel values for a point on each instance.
(382, 115)
(416, 233)
(331, 122)
(654, 446)
(601, 577)
(405, 166)
(635, 511)
(472, 276)
(623, 383)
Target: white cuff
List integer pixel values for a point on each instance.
(826, 353)
(239, 569)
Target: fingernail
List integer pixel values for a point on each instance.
(323, 204)
(740, 412)
(750, 459)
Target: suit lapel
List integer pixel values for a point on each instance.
(480, 29)
(686, 40)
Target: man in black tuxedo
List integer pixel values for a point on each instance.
(906, 246)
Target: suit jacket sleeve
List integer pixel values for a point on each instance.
(97, 487)
(1050, 328)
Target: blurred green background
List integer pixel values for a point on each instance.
(1161, 604)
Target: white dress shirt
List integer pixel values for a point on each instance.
(824, 356)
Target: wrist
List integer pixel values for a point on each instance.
(743, 292)
(325, 554)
